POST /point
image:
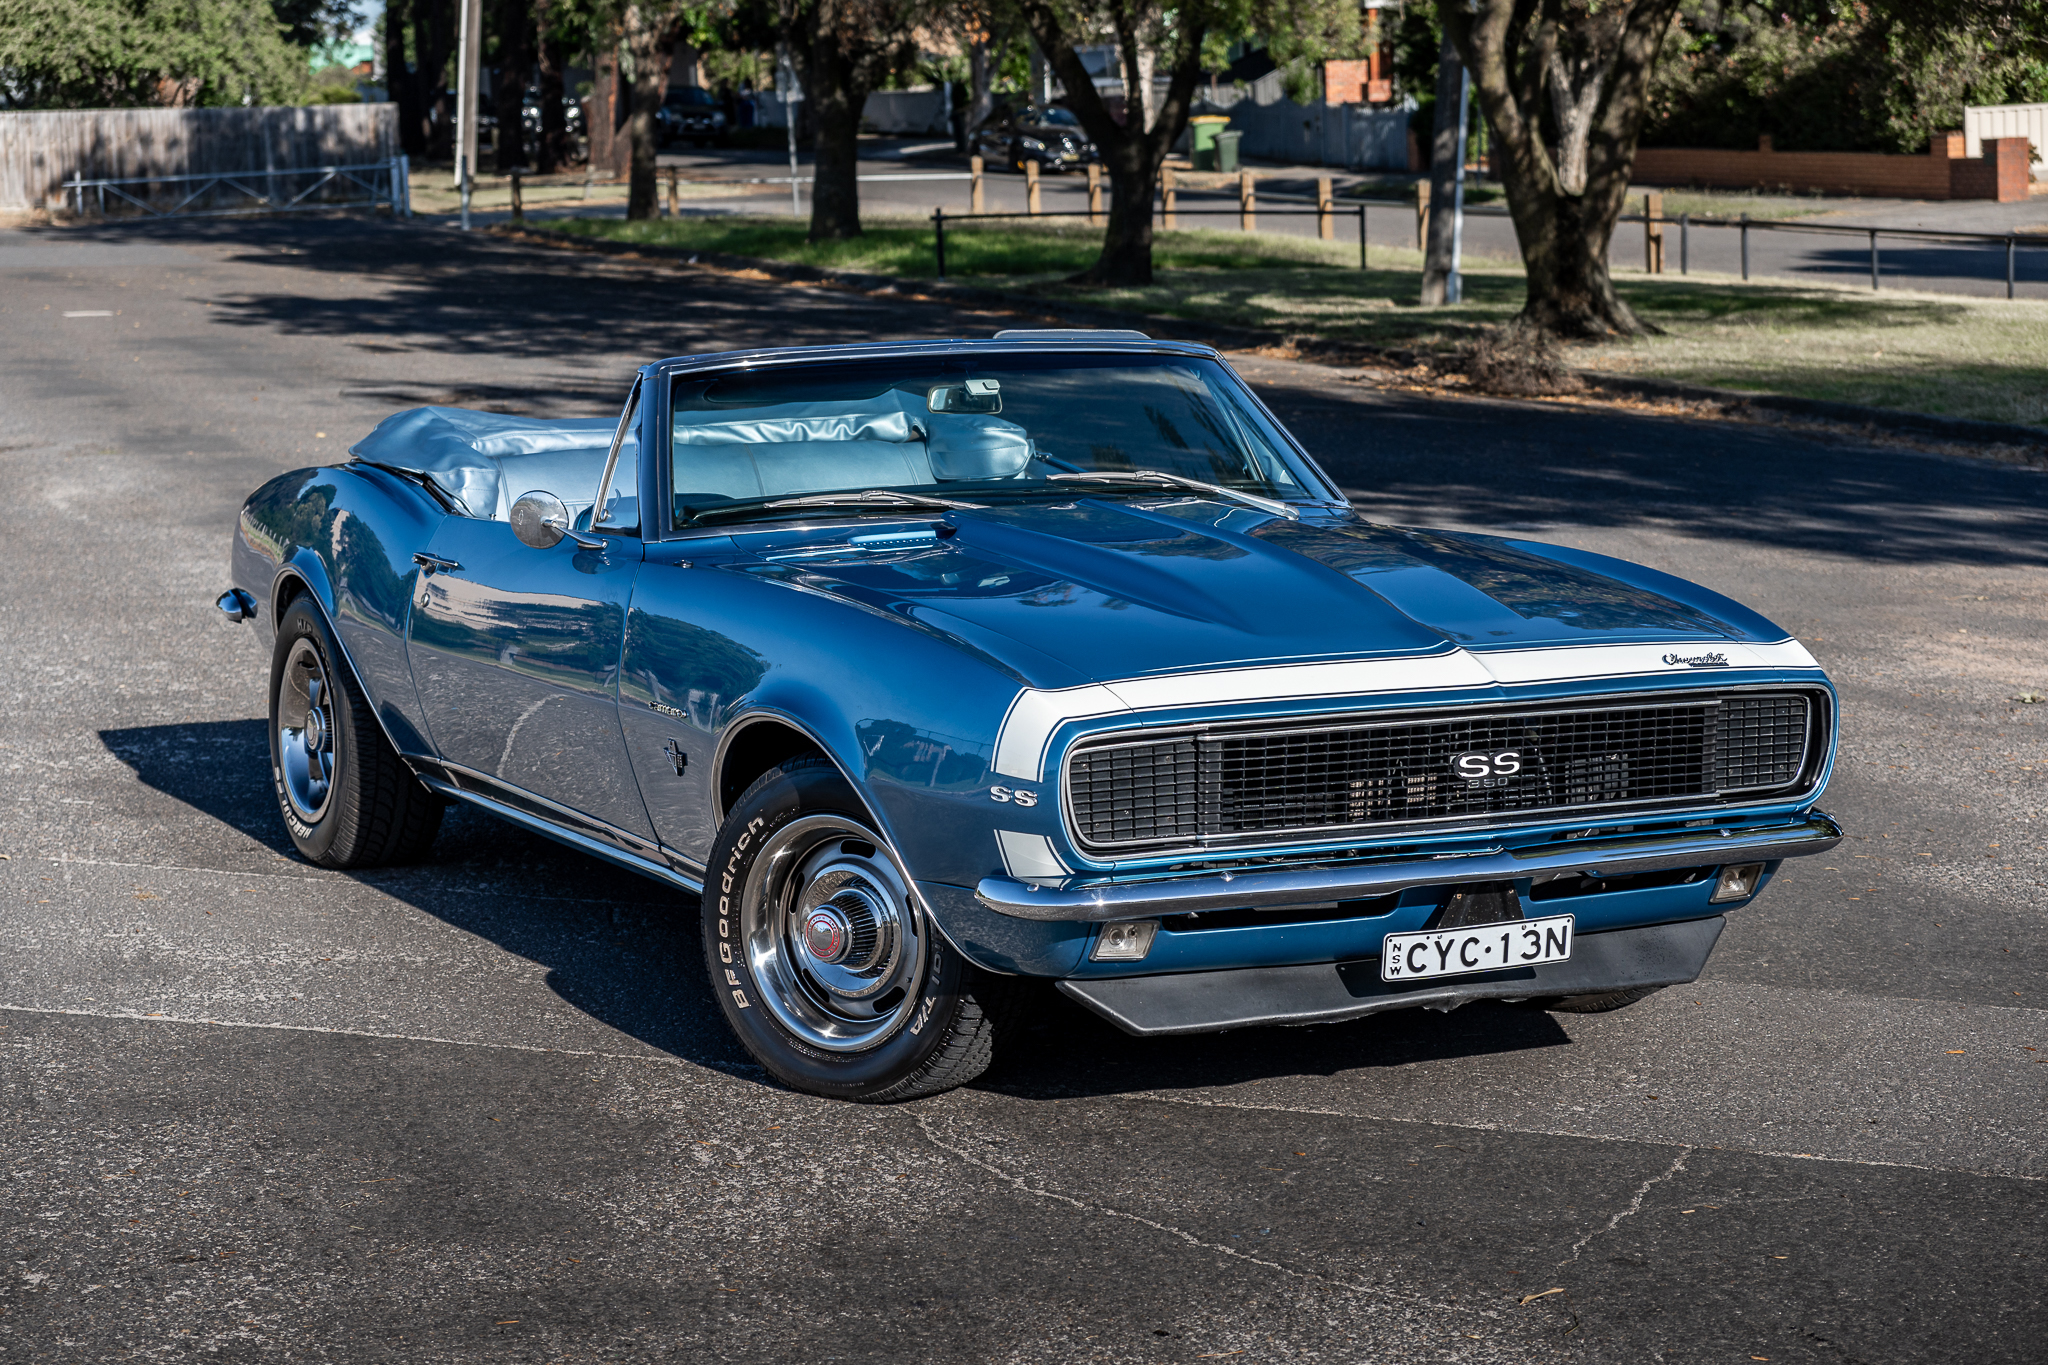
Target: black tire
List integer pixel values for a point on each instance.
(347, 799)
(1594, 1004)
(797, 851)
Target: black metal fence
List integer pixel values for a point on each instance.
(2007, 242)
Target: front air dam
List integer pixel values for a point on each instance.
(1209, 1002)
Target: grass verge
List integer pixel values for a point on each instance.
(1937, 353)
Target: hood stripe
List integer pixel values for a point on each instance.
(1035, 714)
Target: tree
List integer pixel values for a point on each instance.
(1150, 35)
(508, 90)
(71, 54)
(842, 49)
(1564, 84)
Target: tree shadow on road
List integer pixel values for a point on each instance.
(1413, 459)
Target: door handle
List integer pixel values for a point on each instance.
(434, 563)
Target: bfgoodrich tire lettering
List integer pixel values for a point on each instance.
(820, 954)
(347, 799)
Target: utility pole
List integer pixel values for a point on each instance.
(468, 67)
(1454, 289)
(1446, 155)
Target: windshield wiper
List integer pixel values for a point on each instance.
(1160, 476)
(871, 497)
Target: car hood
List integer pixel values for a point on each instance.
(1101, 590)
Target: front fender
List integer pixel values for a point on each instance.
(346, 535)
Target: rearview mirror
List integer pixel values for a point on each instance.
(976, 395)
(539, 519)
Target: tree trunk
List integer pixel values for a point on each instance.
(607, 112)
(836, 92)
(1132, 151)
(1444, 153)
(651, 38)
(553, 147)
(508, 90)
(982, 98)
(433, 40)
(403, 83)
(1564, 225)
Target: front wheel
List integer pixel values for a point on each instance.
(822, 957)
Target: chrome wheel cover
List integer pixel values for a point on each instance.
(305, 732)
(832, 934)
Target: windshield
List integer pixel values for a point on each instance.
(998, 428)
(1058, 117)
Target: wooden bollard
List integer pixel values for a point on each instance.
(1166, 189)
(1422, 215)
(1247, 203)
(1326, 205)
(1653, 233)
(974, 200)
(518, 206)
(1031, 187)
(1094, 196)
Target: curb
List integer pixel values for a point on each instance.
(1226, 335)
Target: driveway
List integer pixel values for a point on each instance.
(481, 1109)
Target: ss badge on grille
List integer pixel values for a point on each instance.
(1487, 769)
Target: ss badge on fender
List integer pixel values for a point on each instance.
(1016, 794)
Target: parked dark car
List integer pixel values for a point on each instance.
(940, 666)
(694, 116)
(1052, 137)
(572, 114)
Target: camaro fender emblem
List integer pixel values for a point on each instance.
(1017, 794)
(678, 713)
(1698, 660)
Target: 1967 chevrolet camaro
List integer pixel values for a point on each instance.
(934, 667)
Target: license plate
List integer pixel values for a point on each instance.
(1476, 948)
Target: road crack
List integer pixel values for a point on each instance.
(1635, 1205)
(1023, 1186)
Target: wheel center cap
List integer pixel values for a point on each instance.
(825, 934)
(316, 729)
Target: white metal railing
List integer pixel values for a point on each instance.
(377, 184)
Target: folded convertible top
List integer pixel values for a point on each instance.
(472, 456)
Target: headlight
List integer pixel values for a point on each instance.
(1033, 143)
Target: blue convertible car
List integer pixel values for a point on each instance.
(940, 666)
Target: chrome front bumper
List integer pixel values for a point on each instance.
(1815, 833)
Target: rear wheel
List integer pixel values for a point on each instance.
(822, 958)
(347, 798)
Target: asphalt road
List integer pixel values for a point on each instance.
(1829, 1149)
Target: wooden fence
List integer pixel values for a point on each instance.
(40, 149)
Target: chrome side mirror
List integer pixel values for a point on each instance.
(540, 520)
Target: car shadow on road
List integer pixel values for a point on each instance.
(1064, 1051)
(220, 768)
(620, 948)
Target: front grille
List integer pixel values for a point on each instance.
(1477, 766)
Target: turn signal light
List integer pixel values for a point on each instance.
(1124, 941)
(1738, 882)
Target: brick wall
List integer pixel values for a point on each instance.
(2000, 174)
(1942, 172)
